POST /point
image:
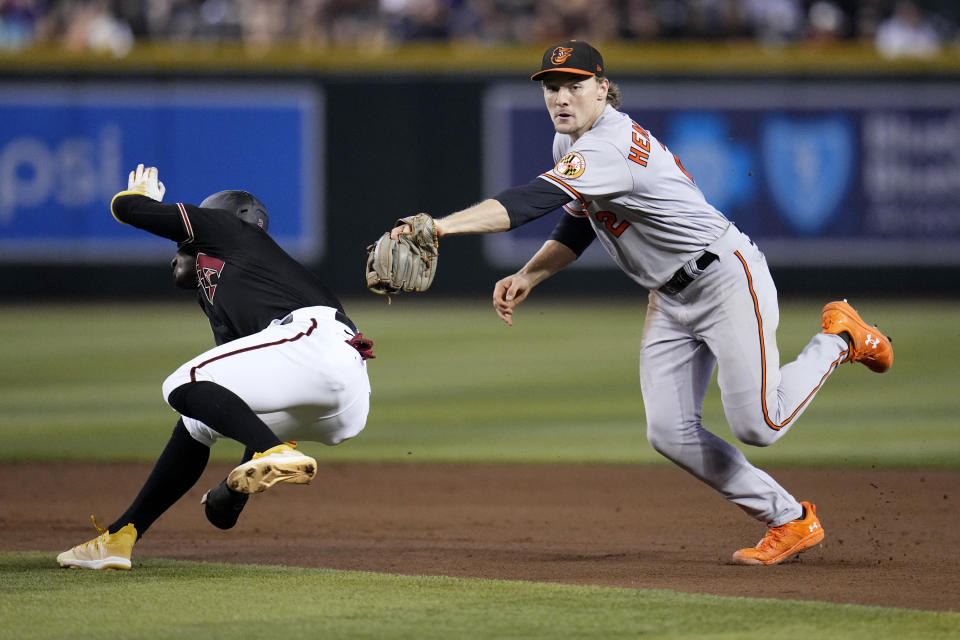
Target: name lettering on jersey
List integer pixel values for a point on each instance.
(640, 150)
(208, 274)
(570, 166)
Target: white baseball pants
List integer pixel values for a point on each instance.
(298, 375)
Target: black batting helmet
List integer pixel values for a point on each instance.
(242, 204)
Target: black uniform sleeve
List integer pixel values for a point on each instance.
(530, 201)
(574, 232)
(165, 220)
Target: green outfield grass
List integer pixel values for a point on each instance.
(453, 383)
(169, 599)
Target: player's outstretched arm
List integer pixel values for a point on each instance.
(141, 205)
(488, 216)
(552, 257)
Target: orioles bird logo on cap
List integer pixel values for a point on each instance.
(560, 54)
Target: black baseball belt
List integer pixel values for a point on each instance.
(342, 318)
(681, 278)
(339, 316)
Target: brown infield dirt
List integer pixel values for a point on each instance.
(892, 536)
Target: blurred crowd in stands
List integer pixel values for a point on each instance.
(895, 27)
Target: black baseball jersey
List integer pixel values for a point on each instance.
(245, 280)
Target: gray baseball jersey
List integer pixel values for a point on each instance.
(655, 223)
(647, 211)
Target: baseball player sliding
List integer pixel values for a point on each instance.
(289, 365)
(712, 301)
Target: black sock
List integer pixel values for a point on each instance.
(177, 469)
(223, 411)
(803, 513)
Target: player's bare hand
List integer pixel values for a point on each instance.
(508, 293)
(400, 230)
(404, 229)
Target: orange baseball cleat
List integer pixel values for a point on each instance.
(867, 344)
(784, 541)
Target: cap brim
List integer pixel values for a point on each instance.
(579, 72)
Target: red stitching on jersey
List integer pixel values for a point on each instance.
(186, 222)
(763, 359)
(193, 370)
(565, 186)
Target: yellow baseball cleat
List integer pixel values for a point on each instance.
(867, 344)
(784, 541)
(106, 551)
(282, 463)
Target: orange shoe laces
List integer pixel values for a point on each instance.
(774, 536)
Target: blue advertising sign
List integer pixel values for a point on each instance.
(65, 150)
(818, 173)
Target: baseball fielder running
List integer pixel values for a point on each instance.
(712, 301)
(289, 365)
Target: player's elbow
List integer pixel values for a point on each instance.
(119, 206)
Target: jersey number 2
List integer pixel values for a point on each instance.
(608, 220)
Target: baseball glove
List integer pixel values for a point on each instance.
(407, 263)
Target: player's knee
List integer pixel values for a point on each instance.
(756, 442)
(755, 435)
(750, 425)
(173, 382)
(175, 396)
(663, 440)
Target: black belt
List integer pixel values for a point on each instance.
(339, 316)
(342, 318)
(681, 278)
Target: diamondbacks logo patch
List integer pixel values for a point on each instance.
(208, 274)
(560, 55)
(570, 166)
